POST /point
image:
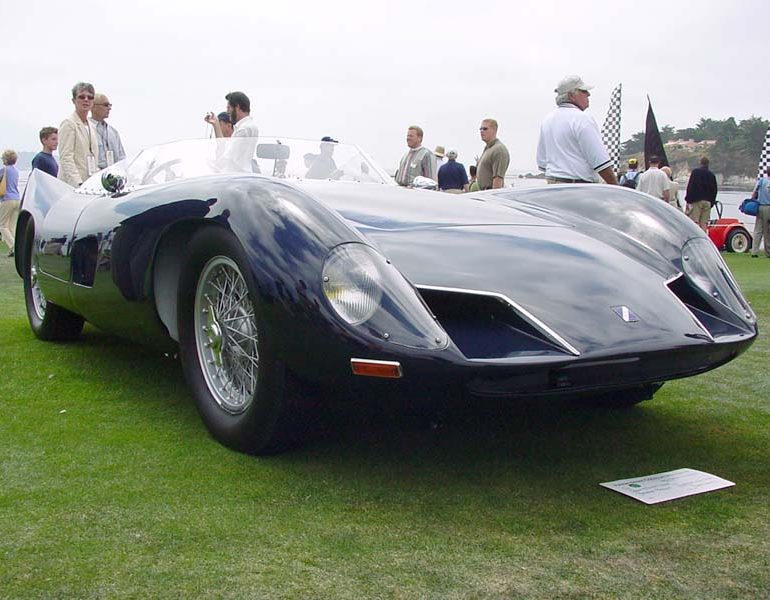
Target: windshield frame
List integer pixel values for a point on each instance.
(189, 158)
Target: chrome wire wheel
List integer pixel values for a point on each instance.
(226, 335)
(38, 298)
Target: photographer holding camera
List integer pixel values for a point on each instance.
(222, 121)
(238, 111)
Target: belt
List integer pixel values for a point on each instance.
(564, 180)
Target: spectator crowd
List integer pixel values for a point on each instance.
(569, 150)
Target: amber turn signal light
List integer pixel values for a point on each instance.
(376, 368)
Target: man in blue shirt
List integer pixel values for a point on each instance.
(44, 160)
(762, 222)
(452, 177)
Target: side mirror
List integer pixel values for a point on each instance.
(424, 183)
(113, 183)
(273, 151)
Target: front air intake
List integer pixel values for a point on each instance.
(713, 316)
(487, 326)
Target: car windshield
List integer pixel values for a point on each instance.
(285, 158)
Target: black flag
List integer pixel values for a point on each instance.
(653, 144)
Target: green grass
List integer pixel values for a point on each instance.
(110, 487)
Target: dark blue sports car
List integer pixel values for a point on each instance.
(277, 263)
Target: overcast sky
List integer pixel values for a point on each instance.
(362, 72)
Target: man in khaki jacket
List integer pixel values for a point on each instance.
(78, 144)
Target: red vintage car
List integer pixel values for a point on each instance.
(729, 234)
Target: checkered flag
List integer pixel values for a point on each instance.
(611, 128)
(764, 156)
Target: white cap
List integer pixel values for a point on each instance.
(572, 82)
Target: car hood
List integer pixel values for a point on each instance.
(571, 274)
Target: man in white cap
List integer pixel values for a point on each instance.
(570, 148)
(452, 177)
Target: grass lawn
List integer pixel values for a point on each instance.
(110, 487)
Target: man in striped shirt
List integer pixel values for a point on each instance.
(417, 161)
(110, 146)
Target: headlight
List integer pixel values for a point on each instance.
(368, 292)
(352, 283)
(706, 269)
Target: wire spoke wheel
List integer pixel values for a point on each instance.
(38, 298)
(226, 335)
(47, 320)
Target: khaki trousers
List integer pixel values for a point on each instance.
(761, 230)
(699, 211)
(9, 214)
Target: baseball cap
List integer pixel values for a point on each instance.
(633, 161)
(572, 82)
(328, 138)
(224, 117)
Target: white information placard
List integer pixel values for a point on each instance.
(671, 485)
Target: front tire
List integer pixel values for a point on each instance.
(738, 241)
(225, 348)
(47, 321)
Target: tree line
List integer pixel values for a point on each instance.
(735, 153)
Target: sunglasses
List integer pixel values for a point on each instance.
(106, 104)
(85, 97)
(483, 128)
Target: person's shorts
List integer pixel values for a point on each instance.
(699, 212)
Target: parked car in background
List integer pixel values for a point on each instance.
(728, 233)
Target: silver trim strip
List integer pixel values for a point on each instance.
(684, 306)
(533, 320)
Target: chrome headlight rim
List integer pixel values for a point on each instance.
(355, 296)
(707, 270)
(388, 307)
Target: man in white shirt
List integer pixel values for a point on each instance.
(239, 111)
(570, 148)
(654, 181)
(240, 152)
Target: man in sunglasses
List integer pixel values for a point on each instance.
(570, 148)
(110, 146)
(78, 144)
(493, 164)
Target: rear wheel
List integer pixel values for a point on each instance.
(738, 240)
(226, 350)
(48, 321)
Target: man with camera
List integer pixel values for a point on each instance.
(239, 151)
(239, 111)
